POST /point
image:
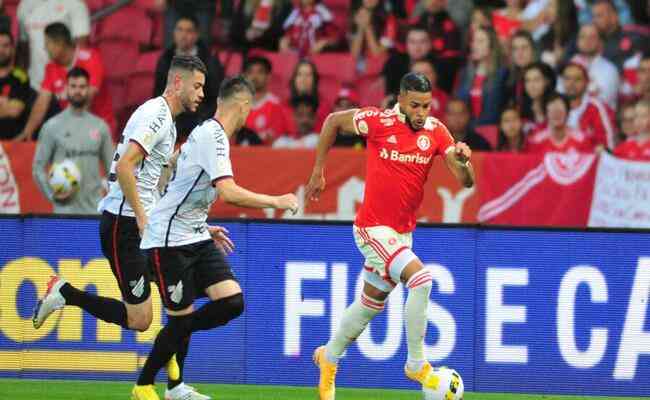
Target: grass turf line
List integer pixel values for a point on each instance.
(17, 389)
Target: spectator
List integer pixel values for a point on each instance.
(506, 21)
(64, 53)
(347, 99)
(187, 42)
(483, 80)
(588, 114)
(561, 16)
(522, 54)
(259, 23)
(308, 29)
(80, 136)
(627, 128)
(603, 75)
(539, 82)
(438, 96)
(305, 82)
(304, 116)
(418, 47)
(202, 11)
(584, 11)
(537, 17)
(16, 96)
(446, 39)
(557, 136)
(457, 119)
(630, 79)
(642, 89)
(511, 131)
(638, 147)
(619, 45)
(33, 16)
(267, 118)
(373, 31)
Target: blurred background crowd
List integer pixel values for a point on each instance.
(513, 75)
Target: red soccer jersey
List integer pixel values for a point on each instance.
(634, 149)
(397, 166)
(89, 59)
(268, 118)
(476, 95)
(543, 142)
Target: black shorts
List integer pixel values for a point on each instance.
(121, 246)
(184, 272)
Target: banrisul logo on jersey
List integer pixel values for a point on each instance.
(394, 155)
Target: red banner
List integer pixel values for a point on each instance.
(511, 189)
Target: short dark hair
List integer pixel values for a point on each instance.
(7, 32)
(609, 3)
(231, 86)
(415, 82)
(188, 63)
(78, 72)
(305, 99)
(190, 18)
(553, 96)
(260, 60)
(59, 32)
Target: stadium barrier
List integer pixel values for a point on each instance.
(569, 190)
(514, 310)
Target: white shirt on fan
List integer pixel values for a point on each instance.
(151, 127)
(180, 217)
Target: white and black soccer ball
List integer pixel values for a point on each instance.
(450, 386)
(64, 177)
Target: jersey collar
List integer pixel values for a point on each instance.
(400, 115)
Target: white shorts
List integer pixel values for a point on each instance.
(387, 252)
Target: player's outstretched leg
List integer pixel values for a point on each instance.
(355, 319)
(60, 293)
(419, 286)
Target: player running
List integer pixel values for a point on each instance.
(183, 249)
(401, 145)
(145, 150)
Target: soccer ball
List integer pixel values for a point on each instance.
(450, 386)
(64, 177)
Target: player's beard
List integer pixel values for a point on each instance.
(77, 102)
(410, 123)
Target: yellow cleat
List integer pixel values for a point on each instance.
(144, 392)
(326, 387)
(425, 376)
(173, 370)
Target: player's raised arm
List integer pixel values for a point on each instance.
(335, 122)
(124, 170)
(457, 160)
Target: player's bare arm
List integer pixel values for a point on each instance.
(167, 172)
(236, 195)
(124, 169)
(458, 162)
(342, 121)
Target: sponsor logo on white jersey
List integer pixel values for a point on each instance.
(395, 155)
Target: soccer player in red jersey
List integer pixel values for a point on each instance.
(637, 148)
(401, 145)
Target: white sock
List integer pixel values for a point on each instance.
(419, 286)
(354, 321)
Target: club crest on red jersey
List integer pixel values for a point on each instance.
(424, 142)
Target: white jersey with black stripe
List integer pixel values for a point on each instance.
(151, 127)
(180, 217)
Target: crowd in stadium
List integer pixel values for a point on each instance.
(513, 75)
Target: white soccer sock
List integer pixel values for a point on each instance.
(419, 286)
(354, 321)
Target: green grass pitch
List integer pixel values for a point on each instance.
(16, 389)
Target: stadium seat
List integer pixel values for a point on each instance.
(117, 90)
(329, 88)
(337, 4)
(120, 57)
(11, 10)
(374, 65)
(139, 88)
(371, 91)
(283, 63)
(158, 30)
(338, 65)
(147, 62)
(231, 61)
(95, 5)
(128, 23)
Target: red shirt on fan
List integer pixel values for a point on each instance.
(634, 149)
(544, 142)
(268, 118)
(438, 103)
(476, 95)
(89, 59)
(397, 166)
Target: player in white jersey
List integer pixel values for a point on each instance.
(184, 250)
(146, 148)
